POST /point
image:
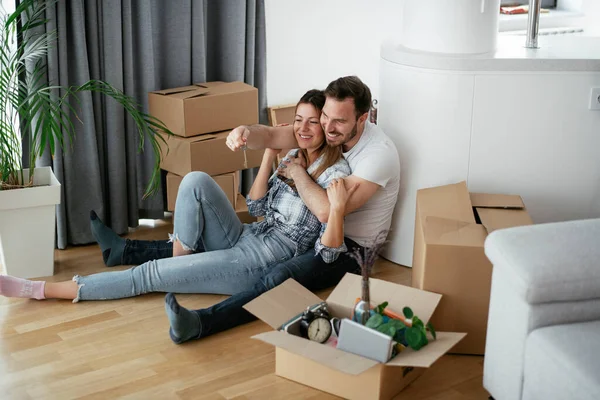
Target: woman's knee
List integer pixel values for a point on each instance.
(194, 180)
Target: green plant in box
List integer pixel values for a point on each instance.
(413, 335)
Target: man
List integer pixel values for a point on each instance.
(375, 167)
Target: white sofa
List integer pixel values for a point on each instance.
(543, 338)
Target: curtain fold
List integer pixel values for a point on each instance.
(138, 46)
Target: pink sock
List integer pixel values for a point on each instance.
(18, 287)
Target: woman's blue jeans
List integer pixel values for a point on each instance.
(233, 257)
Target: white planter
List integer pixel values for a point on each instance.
(28, 225)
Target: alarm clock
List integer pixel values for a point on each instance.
(315, 324)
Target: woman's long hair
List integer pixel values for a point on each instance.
(331, 154)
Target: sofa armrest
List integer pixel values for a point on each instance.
(550, 262)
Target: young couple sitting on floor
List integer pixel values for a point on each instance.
(334, 192)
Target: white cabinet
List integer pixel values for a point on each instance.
(513, 121)
(534, 135)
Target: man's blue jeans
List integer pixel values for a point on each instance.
(307, 269)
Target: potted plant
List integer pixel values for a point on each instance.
(44, 114)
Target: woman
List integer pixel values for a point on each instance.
(233, 254)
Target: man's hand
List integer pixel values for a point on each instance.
(237, 138)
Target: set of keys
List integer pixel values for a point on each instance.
(244, 147)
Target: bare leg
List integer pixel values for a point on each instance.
(61, 290)
(178, 249)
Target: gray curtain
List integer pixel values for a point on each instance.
(138, 46)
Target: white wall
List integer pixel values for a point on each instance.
(591, 8)
(312, 42)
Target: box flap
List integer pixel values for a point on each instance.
(451, 232)
(280, 304)
(494, 218)
(176, 90)
(218, 88)
(449, 201)
(323, 354)
(429, 354)
(423, 303)
(496, 200)
(189, 94)
(209, 84)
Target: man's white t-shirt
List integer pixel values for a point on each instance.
(375, 159)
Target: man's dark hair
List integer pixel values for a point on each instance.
(351, 87)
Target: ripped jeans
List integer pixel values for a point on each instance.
(233, 255)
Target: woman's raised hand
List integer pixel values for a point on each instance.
(338, 195)
(290, 163)
(237, 138)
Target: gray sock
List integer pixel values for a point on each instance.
(185, 324)
(111, 244)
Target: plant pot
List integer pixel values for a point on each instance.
(28, 225)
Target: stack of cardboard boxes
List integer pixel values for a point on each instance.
(201, 116)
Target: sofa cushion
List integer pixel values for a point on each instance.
(542, 259)
(562, 362)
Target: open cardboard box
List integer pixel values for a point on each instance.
(335, 371)
(229, 182)
(207, 153)
(205, 107)
(450, 229)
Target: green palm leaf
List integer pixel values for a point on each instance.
(46, 113)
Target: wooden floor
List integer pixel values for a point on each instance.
(121, 349)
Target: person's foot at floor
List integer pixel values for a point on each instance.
(185, 324)
(111, 244)
(11, 286)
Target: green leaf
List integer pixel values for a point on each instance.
(408, 313)
(387, 329)
(431, 329)
(424, 340)
(399, 325)
(413, 338)
(416, 322)
(374, 321)
(379, 309)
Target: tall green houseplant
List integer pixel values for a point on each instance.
(44, 112)
(43, 116)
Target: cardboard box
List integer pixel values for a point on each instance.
(241, 210)
(205, 107)
(282, 114)
(335, 371)
(228, 182)
(207, 153)
(450, 229)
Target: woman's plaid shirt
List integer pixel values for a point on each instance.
(285, 211)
